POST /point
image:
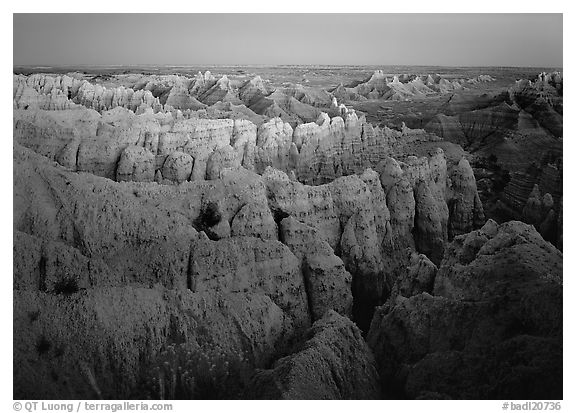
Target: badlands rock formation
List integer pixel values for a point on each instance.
(519, 131)
(203, 237)
(490, 326)
(403, 87)
(203, 95)
(318, 370)
(317, 152)
(142, 238)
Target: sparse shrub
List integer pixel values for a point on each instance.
(209, 216)
(43, 345)
(183, 372)
(59, 351)
(278, 215)
(34, 315)
(66, 286)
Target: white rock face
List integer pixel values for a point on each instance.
(273, 144)
(328, 282)
(178, 167)
(220, 159)
(255, 220)
(136, 164)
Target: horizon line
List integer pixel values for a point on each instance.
(136, 65)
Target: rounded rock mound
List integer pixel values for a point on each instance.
(178, 167)
(136, 164)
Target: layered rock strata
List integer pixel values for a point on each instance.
(403, 87)
(316, 152)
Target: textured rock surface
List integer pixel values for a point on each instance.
(255, 220)
(100, 266)
(466, 212)
(418, 279)
(334, 363)
(250, 264)
(136, 164)
(404, 87)
(177, 167)
(177, 236)
(328, 284)
(222, 158)
(145, 235)
(497, 297)
(318, 151)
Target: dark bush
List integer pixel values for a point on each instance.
(43, 345)
(279, 215)
(209, 216)
(66, 286)
(33, 315)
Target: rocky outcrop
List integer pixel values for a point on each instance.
(404, 87)
(524, 198)
(202, 82)
(419, 278)
(334, 363)
(255, 220)
(497, 296)
(253, 90)
(537, 207)
(100, 338)
(101, 218)
(362, 218)
(57, 268)
(542, 99)
(506, 244)
(99, 98)
(196, 291)
(273, 144)
(328, 284)
(136, 164)
(105, 267)
(187, 247)
(431, 210)
(26, 97)
(49, 132)
(400, 198)
(222, 91)
(369, 220)
(250, 264)
(41, 91)
(177, 167)
(243, 140)
(519, 132)
(180, 98)
(220, 159)
(518, 190)
(551, 180)
(466, 212)
(317, 152)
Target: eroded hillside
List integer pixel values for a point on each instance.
(204, 237)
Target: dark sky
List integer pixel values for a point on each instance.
(339, 39)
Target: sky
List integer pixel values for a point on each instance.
(528, 40)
